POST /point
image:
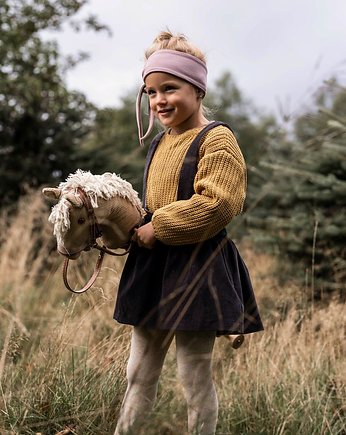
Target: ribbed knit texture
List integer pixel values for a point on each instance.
(220, 187)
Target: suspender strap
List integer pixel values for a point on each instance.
(152, 148)
(189, 167)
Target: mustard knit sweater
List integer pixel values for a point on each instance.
(220, 186)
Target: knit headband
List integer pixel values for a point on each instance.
(177, 63)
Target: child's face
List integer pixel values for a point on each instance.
(174, 102)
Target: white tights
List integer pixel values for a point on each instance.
(194, 353)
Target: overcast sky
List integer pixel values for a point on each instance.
(279, 51)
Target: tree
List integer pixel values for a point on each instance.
(42, 123)
(303, 212)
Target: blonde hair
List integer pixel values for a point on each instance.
(166, 40)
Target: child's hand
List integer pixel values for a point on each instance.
(145, 236)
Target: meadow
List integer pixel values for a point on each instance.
(63, 357)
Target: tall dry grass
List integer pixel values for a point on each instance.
(63, 358)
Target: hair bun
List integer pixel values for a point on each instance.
(166, 40)
(168, 36)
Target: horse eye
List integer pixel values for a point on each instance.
(81, 221)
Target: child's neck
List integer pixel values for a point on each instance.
(199, 122)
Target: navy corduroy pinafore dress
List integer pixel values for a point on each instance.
(196, 287)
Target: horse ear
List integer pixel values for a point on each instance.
(52, 192)
(75, 200)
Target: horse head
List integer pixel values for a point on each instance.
(89, 207)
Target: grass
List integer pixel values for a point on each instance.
(63, 357)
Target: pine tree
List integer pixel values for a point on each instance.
(303, 210)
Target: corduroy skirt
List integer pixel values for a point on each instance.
(197, 287)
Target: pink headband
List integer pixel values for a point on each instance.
(177, 63)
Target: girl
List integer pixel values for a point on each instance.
(183, 278)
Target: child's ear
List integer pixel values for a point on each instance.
(200, 94)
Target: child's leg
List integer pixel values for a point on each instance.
(194, 355)
(147, 354)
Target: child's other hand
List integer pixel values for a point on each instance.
(145, 236)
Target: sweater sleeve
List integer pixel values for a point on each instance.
(220, 187)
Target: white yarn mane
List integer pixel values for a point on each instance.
(103, 186)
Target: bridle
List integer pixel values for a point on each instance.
(94, 233)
